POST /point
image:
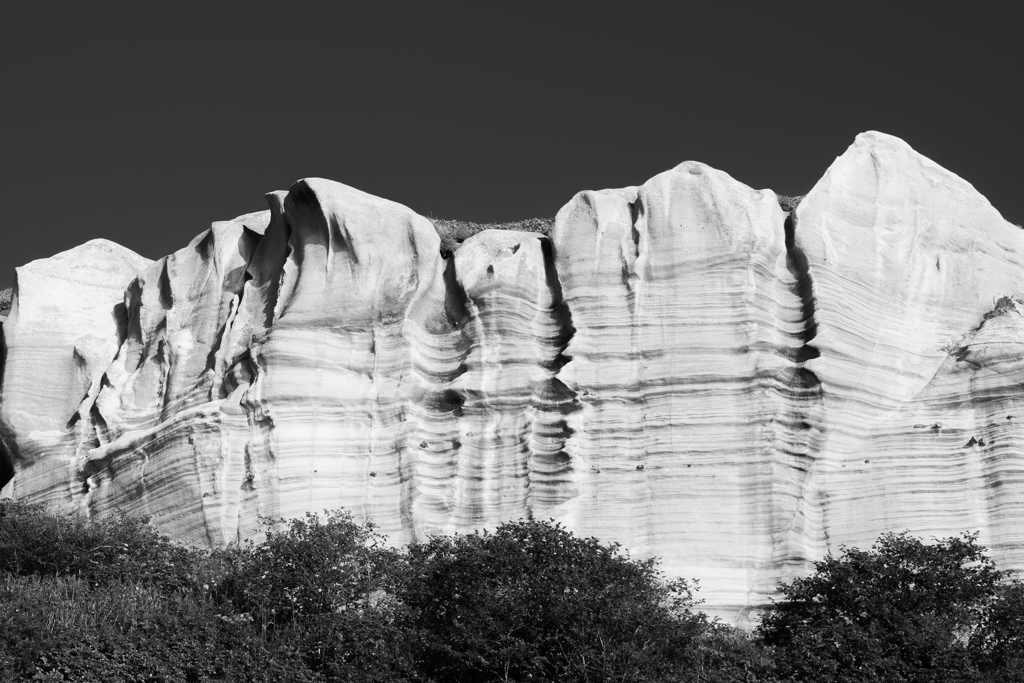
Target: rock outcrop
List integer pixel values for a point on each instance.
(684, 367)
(66, 322)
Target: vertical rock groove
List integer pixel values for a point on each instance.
(551, 471)
(803, 288)
(512, 459)
(797, 425)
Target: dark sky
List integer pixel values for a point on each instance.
(142, 123)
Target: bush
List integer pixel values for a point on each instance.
(323, 587)
(114, 548)
(324, 600)
(533, 602)
(66, 629)
(999, 642)
(315, 566)
(114, 600)
(724, 654)
(903, 611)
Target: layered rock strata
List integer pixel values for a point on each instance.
(682, 367)
(66, 322)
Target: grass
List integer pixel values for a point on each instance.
(453, 233)
(789, 203)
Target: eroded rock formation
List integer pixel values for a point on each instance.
(683, 367)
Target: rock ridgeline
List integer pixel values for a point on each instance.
(683, 367)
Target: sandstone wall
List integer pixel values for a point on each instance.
(682, 367)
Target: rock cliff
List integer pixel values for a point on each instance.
(683, 367)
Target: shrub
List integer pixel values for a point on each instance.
(67, 629)
(113, 548)
(903, 611)
(533, 602)
(998, 643)
(314, 566)
(724, 654)
(323, 587)
(323, 599)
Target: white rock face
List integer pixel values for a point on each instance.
(513, 419)
(686, 362)
(682, 367)
(65, 324)
(908, 264)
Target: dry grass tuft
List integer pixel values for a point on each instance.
(789, 203)
(453, 233)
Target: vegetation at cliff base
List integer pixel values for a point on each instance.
(902, 611)
(324, 598)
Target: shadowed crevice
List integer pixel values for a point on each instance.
(635, 208)
(456, 300)
(796, 262)
(164, 288)
(560, 312)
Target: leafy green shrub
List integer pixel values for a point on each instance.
(114, 548)
(324, 588)
(534, 602)
(314, 566)
(723, 654)
(903, 611)
(998, 643)
(323, 600)
(67, 629)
